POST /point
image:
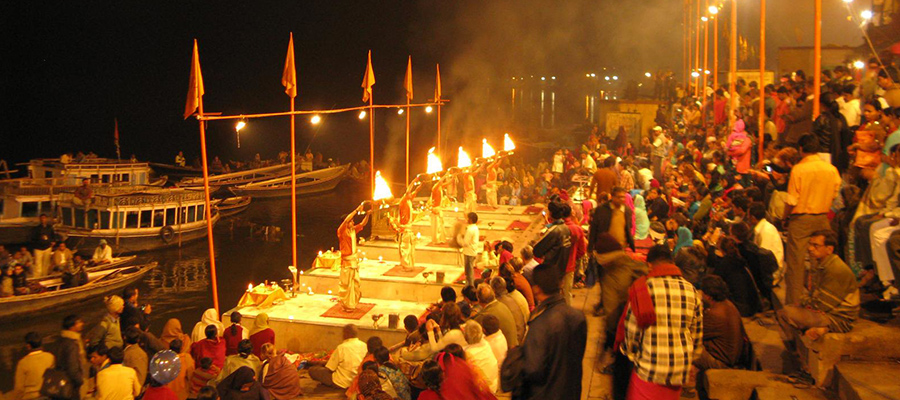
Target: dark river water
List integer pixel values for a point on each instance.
(180, 286)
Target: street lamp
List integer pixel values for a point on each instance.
(315, 119)
(428, 109)
(362, 114)
(237, 128)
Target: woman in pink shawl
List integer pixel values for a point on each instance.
(739, 145)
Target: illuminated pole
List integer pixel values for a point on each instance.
(762, 75)
(289, 79)
(817, 59)
(715, 16)
(697, 55)
(685, 53)
(733, 66)
(407, 84)
(437, 99)
(371, 142)
(705, 63)
(195, 101)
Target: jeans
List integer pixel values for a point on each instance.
(470, 269)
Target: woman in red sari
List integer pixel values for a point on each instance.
(450, 377)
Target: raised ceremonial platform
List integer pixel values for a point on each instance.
(313, 320)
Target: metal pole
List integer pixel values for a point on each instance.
(697, 55)
(208, 210)
(293, 188)
(371, 142)
(715, 58)
(705, 63)
(407, 139)
(762, 76)
(685, 47)
(733, 67)
(817, 59)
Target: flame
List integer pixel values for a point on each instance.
(486, 150)
(382, 190)
(508, 144)
(249, 287)
(464, 160)
(434, 162)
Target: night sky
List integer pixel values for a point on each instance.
(71, 67)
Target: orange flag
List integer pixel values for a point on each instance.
(407, 81)
(368, 80)
(289, 77)
(437, 84)
(195, 88)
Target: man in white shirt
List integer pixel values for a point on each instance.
(344, 363)
(102, 254)
(470, 246)
(766, 236)
(30, 369)
(117, 382)
(494, 337)
(588, 162)
(849, 106)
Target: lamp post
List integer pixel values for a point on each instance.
(705, 63)
(817, 58)
(762, 76)
(733, 66)
(697, 55)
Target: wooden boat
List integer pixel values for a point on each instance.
(115, 263)
(135, 221)
(308, 183)
(25, 199)
(232, 205)
(98, 170)
(102, 282)
(240, 177)
(174, 171)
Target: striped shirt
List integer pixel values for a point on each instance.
(662, 353)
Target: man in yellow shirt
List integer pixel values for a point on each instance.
(812, 188)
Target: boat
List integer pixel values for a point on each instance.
(23, 200)
(240, 177)
(308, 183)
(136, 220)
(99, 284)
(232, 205)
(175, 171)
(98, 170)
(115, 263)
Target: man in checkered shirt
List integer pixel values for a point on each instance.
(661, 330)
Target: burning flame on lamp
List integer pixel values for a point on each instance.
(464, 160)
(249, 287)
(382, 190)
(434, 162)
(508, 144)
(486, 150)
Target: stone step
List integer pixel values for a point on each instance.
(867, 380)
(769, 350)
(389, 250)
(374, 284)
(735, 384)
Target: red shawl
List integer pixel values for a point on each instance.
(640, 302)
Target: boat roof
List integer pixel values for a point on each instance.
(94, 162)
(139, 195)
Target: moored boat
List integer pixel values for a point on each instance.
(23, 200)
(232, 205)
(135, 221)
(240, 177)
(115, 263)
(308, 183)
(103, 282)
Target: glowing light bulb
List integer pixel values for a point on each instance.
(315, 119)
(428, 109)
(362, 115)
(715, 10)
(400, 112)
(859, 64)
(867, 14)
(240, 125)
(647, 74)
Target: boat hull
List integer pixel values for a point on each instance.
(36, 304)
(16, 233)
(326, 184)
(132, 243)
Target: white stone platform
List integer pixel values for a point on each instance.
(300, 327)
(374, 284)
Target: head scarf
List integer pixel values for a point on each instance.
(210, 317)
(260, 324)
(685, 239)
(114, 304)
(241, 384)
(641, 220)
(171, 331)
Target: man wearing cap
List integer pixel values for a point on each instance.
(108, 330)
(102, 254)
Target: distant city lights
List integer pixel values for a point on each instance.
(615, 78)
(606, 77)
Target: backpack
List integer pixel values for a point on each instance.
(57, 385)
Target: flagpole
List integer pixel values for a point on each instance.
(407, 83)
(407, 139)
(207, 206)
(437, 99)
(733, 64)
(371, 141)
(762, 77)
(287, 76)
(703, 73)
(817, 58)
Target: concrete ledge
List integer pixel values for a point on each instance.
(769, 351)
(867, 380)
(867, 341)
(735, 384)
